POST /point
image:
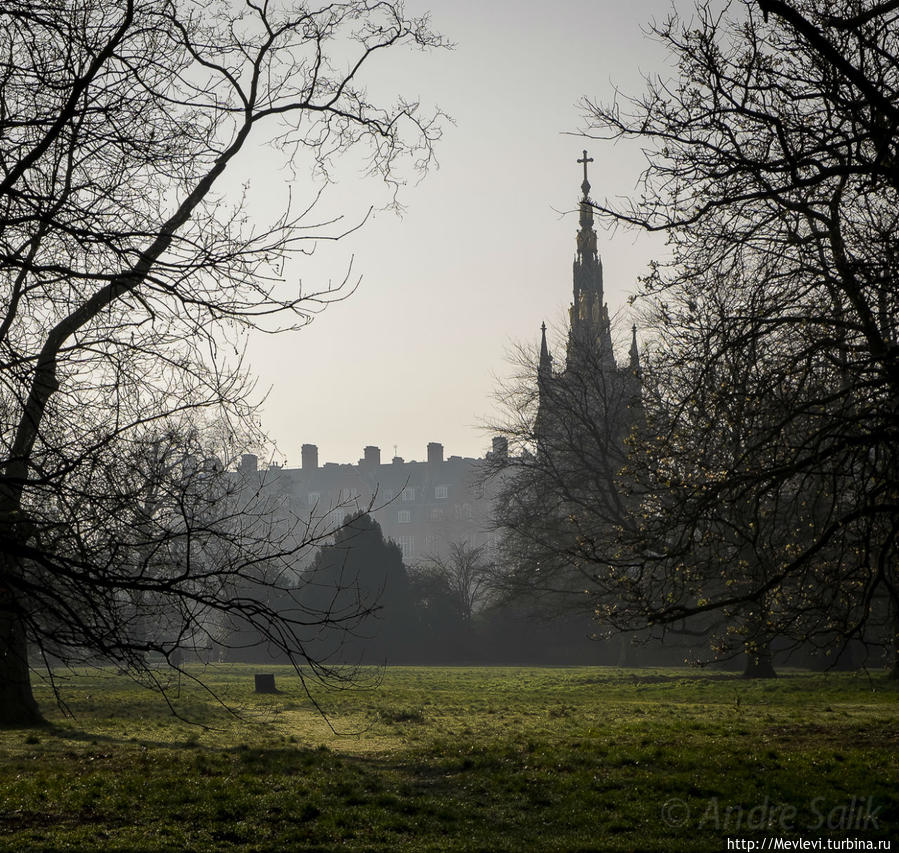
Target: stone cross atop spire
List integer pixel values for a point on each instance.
(586, 238)
(585, 186)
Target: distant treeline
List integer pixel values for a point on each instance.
(379, 611)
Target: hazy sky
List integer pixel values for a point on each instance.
(482, 254)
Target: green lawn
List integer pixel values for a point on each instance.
(515, 759)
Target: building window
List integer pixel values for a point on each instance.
(404, 516)
(409, 494)
(313, 498)
(441, 492)
(437, 513)
(407, 546)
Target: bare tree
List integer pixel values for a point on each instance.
(715, 395)
(772, 166)
(464, 572)
(562, 496)
(127, 279)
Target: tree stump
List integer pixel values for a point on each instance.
(265, 682)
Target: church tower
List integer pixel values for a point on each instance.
(590, 331)
(615, 392)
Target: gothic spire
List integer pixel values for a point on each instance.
(546, 360)
(635, 352)
(589, 325)
(544, 389)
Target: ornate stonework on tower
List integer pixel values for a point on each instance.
(589, 324)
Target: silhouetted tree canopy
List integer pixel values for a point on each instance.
(769, 481)
(129, 281)
(754, 499)
(358, 572)
(561, 500)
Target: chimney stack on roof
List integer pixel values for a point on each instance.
(309, 453)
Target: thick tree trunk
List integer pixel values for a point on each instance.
(17, 705)
(759, 662)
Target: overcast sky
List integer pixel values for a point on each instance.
(482, 254)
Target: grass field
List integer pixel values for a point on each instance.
(516, 759)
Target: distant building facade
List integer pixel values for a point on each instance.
(422, 506)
